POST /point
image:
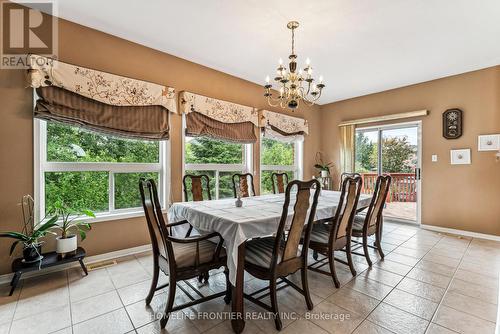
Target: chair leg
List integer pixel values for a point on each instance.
(154, 283)
(305, 288)
(365, 249)
(274, 304)
(170, 303)
(331, 261)
(349, 258)
(378, 245)
(229, 290)
(315, 255)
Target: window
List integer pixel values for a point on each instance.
(219, 160)
(279, 157)
(88, 170)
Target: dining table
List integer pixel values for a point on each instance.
(259, 216)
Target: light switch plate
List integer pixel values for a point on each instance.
(434, 158)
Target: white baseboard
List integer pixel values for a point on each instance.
(461, 232)
(6, 278)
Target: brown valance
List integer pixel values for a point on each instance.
(145, 122)
(199, 125)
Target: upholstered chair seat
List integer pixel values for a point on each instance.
(185, 253)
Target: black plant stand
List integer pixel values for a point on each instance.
(49, 260)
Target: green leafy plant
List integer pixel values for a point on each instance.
(321, 165)
(69, 220)
(31, 238)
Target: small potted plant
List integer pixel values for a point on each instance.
(68, 225)
(323, 167)
(31, 233)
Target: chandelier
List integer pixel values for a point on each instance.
(293, 85)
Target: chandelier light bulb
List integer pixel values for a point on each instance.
(267, 79)
(308, 61)
(320, 79)
(280, 61)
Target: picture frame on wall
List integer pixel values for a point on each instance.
(460, 157)
(488, 142)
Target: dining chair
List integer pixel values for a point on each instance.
(276, 257)
(279, 181)
(179, 258)
(241, 181)
(330, 236)
(346, 174)
(371, 223)
(196, 187)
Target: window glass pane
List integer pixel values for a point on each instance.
(366, 152)
(127, 189)
(274, 152)
(267, 183)
(211, 176)
(226, 184)
(78, 190)
(72, 144)
(210, 151)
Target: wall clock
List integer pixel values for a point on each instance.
(452, 123)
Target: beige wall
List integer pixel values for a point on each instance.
(459, 197)
(87, 47)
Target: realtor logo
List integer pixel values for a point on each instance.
(27, 27)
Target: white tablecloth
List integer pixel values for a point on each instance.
(259, 217)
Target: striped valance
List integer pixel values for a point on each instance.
(61, 105)
(100, 86)
(219, 110)
(282, 125)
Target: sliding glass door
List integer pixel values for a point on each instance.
(393, 150)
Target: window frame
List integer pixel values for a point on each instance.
(246, 165)
(42, 166)
(297, 168)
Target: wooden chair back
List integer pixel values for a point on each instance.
(344, 175)
(374, 213)
(241, 181)
(279, 181)
(154, 217)
(196, 187)
(346, 209)
(303, 217)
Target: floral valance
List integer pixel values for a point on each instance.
(222, 111)
(103, 87)
(282, 124)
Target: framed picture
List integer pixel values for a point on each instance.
(460, 157)
(452, 123)
(488, 142)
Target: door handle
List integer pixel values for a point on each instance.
(417, 174)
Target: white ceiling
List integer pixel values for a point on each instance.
(360, 47)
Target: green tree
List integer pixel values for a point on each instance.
(398, 154)
(210, 151)
(364, 151)
(275, 153)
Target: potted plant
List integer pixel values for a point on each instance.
(323, 167)
(69, 225)
(29, 237)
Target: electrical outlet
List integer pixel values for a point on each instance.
(434, 158)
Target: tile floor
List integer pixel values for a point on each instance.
(428, 283)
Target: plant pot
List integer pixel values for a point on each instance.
(324, 173)
(66, 245)
(32, 253)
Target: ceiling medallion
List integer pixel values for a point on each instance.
(292, 85)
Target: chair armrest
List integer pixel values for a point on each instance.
(195, 238)
(177, 223)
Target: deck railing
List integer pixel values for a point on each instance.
(403, 186)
